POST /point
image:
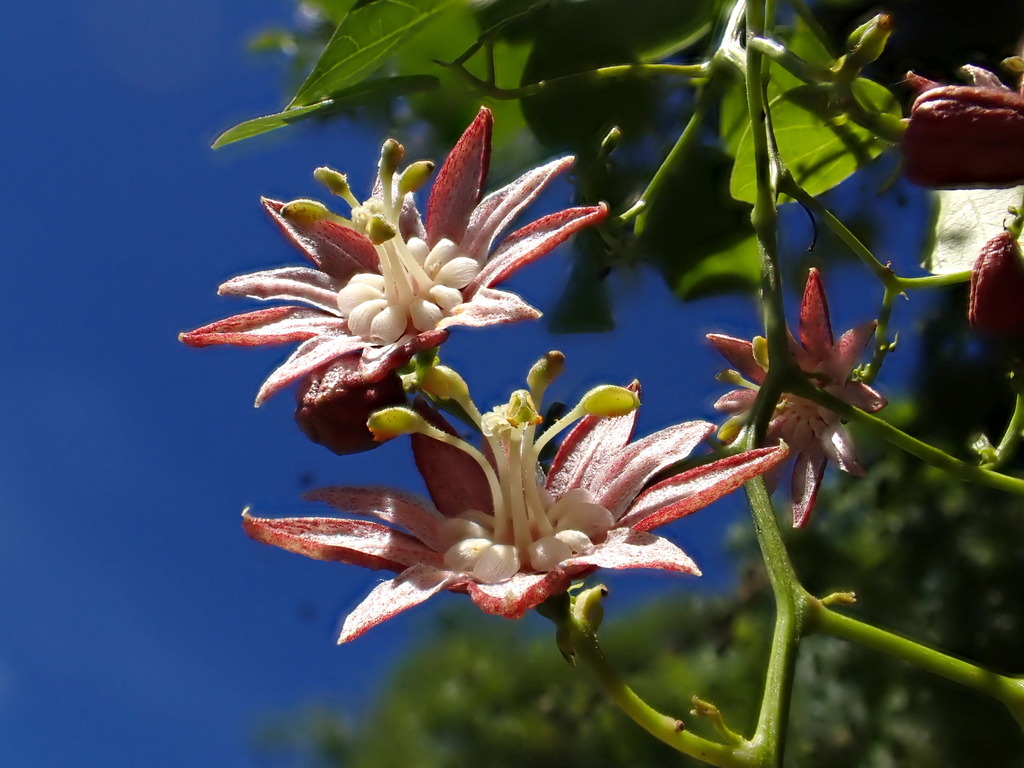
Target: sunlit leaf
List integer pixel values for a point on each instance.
(966, 219)
(369, 91)
(366, 36)
(819, 148)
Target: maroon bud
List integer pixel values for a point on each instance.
(997, 288)
(335, 416)
(963, 136)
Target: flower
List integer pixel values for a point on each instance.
(997, 285)
(813, 433)
(384, 285)
(502, 529)
(965, 135)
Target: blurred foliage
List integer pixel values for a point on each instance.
(928, 556)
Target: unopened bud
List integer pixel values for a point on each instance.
(964, 136)
(305, 212)
(391, 155)
(867, 42)
(334, 415)
(443, 382)
(415, 176)
(610, 401)
(392, 422)
(997, 288)
(521, 410)
(378, 230)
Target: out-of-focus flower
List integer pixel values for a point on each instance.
(997, 288)
(384, 285)
(501, 528)
(813, 433)
(961, 136)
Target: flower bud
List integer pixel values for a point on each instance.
(963, 136)
(610, 401)
(335, 416)
(997, 288)
(867, 42)
(443, 382)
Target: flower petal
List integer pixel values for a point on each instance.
(695, 489)
(846, 352)
(740, 355)
(839, 447)
(460, 182)
(737, 401)
(287, 284)
(808, 470)
(587, 447)
(310, 355)
(357, 542)
(276, 325)
(499, 208)
(515, 597)
(338, 250)
(395, 507)
(489, 306)
(622, 477)
(862, 396)
(815, 326)
(627, 548)
(409, 588)
(533, 241)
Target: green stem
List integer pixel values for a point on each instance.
(924, 451)
(1008, 690)
(677, 155)
(1012, 437)
(934, 281)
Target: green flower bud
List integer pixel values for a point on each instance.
(867, 42)
(392, 422)
(610, 401)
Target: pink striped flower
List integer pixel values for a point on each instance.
(500, 527)
(813, 433)
(383, 285)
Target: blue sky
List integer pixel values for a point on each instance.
(139, 626)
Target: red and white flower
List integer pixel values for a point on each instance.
(814, 433)
(500, 527)
(383, 284)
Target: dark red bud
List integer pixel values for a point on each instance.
(997, 288)
(962, 136)
(335, 416)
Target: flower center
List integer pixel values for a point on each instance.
(528, 530)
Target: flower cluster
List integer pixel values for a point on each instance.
(814, 433)
(501, 527)
(385, 285)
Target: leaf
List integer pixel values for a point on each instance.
(371, 90)
(966, 219)
(366, 36)
(819, 148)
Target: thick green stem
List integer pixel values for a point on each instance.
(1008, 690)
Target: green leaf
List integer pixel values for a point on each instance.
(820, 149)
(369, 91)
(367, 35)
(966, 219)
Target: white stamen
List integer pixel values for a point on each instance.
(548, 552)
(389, 324)
(360, 318)
(356, 293)
(457, 273)
(425, 315)
(499, 562)
(446, 298)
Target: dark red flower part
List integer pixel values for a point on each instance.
(335, 416)
(965, 136)
(997, 288)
